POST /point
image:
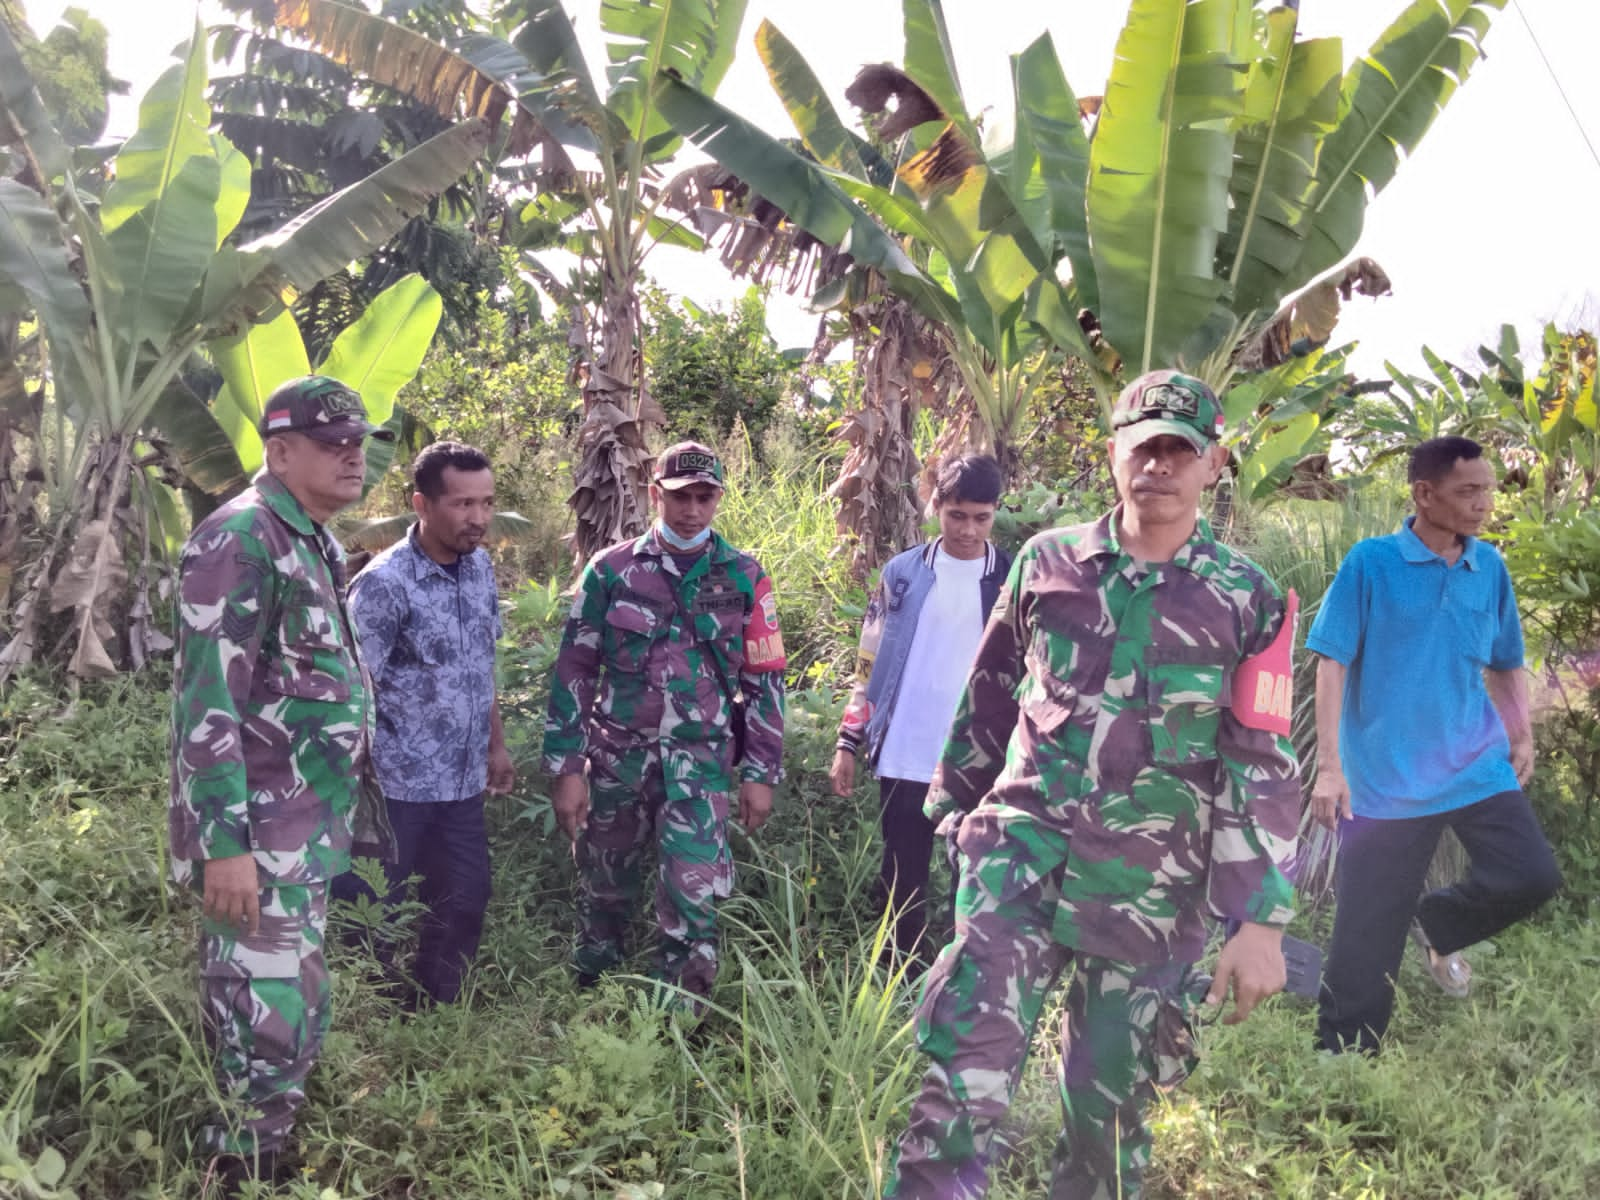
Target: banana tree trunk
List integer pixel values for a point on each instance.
(880, 509)
(82, 575)
(610, 494)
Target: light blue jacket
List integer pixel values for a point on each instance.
(886, 635)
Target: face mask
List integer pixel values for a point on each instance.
(678, 543)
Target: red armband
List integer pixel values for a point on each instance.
(763, 642)
(1263, 686)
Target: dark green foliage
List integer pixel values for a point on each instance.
(710, 370)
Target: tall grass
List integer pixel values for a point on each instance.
(797, 1085)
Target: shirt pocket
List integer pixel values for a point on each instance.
(1475, 628)
(634, 624)
(313, 662)
(1183, 688)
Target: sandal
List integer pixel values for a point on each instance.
(1451, 972)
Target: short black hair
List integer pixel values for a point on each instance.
(427, 471)
(1435, 458)
(974, 478)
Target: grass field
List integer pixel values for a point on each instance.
(533, 1089)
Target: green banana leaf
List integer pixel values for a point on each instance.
(1160, 162)
(806, 193)
(23, 120)
(818, 123)
(691, 40)
(160, 213)
(382, 351)
(205, 453)
(1291, 103)
(1048, 120)
(252, 364)
(930, 61)
(251, 283)
(33, 263)
(1390, 98)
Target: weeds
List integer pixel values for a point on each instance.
(800, 1081)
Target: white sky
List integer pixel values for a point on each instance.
(1493, 221)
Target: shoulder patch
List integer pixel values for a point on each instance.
(1263, 686)
(763, 640)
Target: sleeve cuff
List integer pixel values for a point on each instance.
(564, 764)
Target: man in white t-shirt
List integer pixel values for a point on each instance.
(917, 644)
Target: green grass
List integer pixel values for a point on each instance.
(531, 1088)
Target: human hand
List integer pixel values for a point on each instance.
(569, 797)
(1330, 797)
(1252, 964)
(843, 774)
(1522, 758)
(232, 893)
(755, 804)
(502, 772)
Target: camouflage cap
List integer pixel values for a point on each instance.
(321, 408)
(1167, 402)
(688, 462)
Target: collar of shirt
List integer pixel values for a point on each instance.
(932, 552)
(1102, 541)
(1413, 549)
(281, 501)
(423, 565)
(650, 542)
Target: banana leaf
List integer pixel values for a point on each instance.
(1160, 163)
(1389, 100)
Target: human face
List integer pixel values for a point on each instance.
(324, 476)
(964, 525)
(687, 510)
(1160, 479)
(1461, 502)
(454, 522)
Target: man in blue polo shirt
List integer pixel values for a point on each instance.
(1422, 724)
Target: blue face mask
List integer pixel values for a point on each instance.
(678, 543)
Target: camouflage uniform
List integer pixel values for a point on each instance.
(637, 697)
(271, 727)
(1103, 795)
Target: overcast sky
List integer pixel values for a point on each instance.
(1494, 220)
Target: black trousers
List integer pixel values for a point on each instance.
(1381, 867)
(447, 844)
(903, 877)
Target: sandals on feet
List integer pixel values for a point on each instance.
(1451, 972)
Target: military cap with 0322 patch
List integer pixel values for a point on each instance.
(688, 462)
(321, 408)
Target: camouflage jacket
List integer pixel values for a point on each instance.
(631, 672)
(1097, 731)
(271, 721)
(428, 638)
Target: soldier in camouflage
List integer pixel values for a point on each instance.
(672, 644)
(1117, 769)
(271, 725)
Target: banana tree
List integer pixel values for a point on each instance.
(932, 300)
(123, 290)
(612, 204)
(1226, 166)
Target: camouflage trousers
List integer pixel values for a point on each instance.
(676, 798)
(1124, 1033)
(265, 1003)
